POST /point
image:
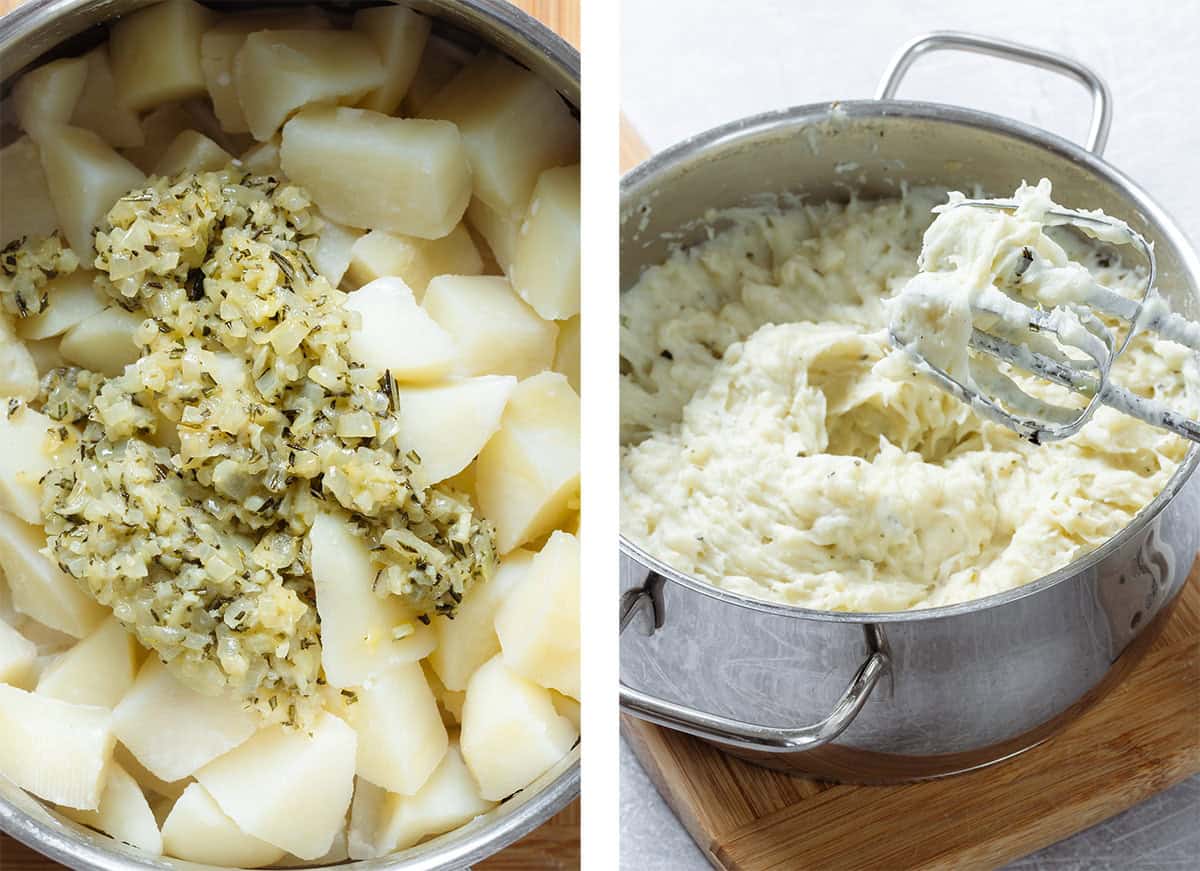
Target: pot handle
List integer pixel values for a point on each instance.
(752, 736)
(1048, 60)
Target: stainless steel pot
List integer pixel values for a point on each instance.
(46, 27)
(895, 696)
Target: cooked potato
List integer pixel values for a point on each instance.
(25, 208)
(279, 72)
(160, 128)
(39, 588)
(155, 53)
(448, 424)
(99, 110)
(192, 151)
(527, 477)
(567, 707)
(469, 640)
(85, 177)
(379, 255)
(147, 779)
(363, 832)
(401, 738)
(496, 105)
(45, 354)
(99, 670)
(124, 813)
(262, 158)
(365, 169)
(538, 623)
(495, 331)
(58, 751)
(356, 625)
(334, 250)
(48, 94)
(288, 787)
(197, 830)
(18, 369)
(545, 267)
(440, 62)
(511, 733)
(17, 655)
(399, 37)
(173, 730)
(499, 231)
(103, 342)
(69, 299)
(389, 311)
(24, 460)
(449, 799)
(566, 355)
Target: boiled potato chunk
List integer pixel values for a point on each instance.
(334, 251)
(58, 751)
(499, 231)
(25, 208)
(85, 177)
(469, 640)
(26, 437)
(124, 813)
(514, 126)
(567, 707)
(17, 655)
(99, 670)
(103, 342)
(160, 128)
(356, 625)
(69, 299)
(39, 588)
(511, 733)
(363, 832)
(48, 94)
(449, 799)
(379, 255)
(18, 369)
(545, 270)
(366, 169)
(399, 37)
(278, 72)
(401, 738)
(527, 477)
(538, 624)
(192, 152)
(496, 332)
(98, 109)
(397, 335)
(197, 830)
(262, 158)
(448, 424)
(173, 730)
(440, 62)
(566, 355)
(155, 53)
(290, 788)
(45, 355)
(149, 782)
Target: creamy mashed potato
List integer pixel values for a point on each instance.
(775, 445)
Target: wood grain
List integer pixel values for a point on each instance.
(554, 846)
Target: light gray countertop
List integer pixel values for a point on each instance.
(688, 65)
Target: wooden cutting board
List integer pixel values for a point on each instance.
(554, 846)
(1139, 739)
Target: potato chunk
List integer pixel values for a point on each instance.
(197, 830)
(278, 72)
(499, 231)
(448, 424)
(17, 655)
(39, 588)
(99, 670)
(18, 369)
(25, 434)
(99, 110)
(450, 798)
(155, 53)
(335, 247)
(25, 208)
(263, 158)
(379, 254)
(124, 813)
(69, 299)
(538, 624)
(397, 335)
(49, 93)
(527, 477)
(469, 640)
(545, 269)
(85, 177)
(496, 332)
(440, 62)
(399, 37)
(192, 151)
(514, 126)
(511, 733)
(174, 730)
(58, 751)
(103, 342)
(566, 354)
(290, 788)
(365, 169)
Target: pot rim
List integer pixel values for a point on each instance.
(638, 184)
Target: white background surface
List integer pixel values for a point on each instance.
(688, 65)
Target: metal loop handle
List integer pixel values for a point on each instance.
(1048, 60)
(752, 736)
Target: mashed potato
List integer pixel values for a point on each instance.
(775, 445)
